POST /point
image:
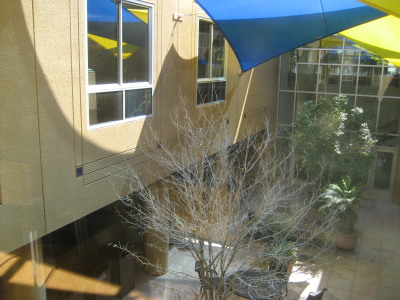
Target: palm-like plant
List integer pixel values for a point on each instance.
(345, 199)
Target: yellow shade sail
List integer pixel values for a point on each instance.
(391, 7)
(381, 37)
(112, 46)
(142, 14)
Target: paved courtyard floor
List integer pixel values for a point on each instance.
(371, 272)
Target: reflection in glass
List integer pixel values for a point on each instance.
(204, 46)
(350, 57)
(329, 78)
(301, 98)
(369, 80)
(388, 140)
(331, 56)
(135, 41)
(219, 90)
(368, 58)
(138, 103)
(283, 148)
(370, 109)
(204, 93)
(288, 70)
(217, 53)
(349, 79)
(102, 44)
(286, 107)
(308, 56)
(391, 81)
(383, 170)
(351, 100)
(389, 114)
(307, 77)
(210, 91)
(331, 42)
(105, 107)
(284, 130)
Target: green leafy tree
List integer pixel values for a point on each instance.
(332, 139)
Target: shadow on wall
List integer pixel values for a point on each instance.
(43, 139)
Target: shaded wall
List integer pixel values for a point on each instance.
(44, 131)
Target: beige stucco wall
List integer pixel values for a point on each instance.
(44, 132)
(22, 210)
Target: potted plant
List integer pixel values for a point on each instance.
(345, 200)
(286, 256)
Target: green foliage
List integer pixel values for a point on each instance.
(344, 198)
(332, 138)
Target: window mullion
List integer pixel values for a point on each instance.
(210, 50)
(120, 51)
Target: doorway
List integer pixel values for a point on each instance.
(384, 169)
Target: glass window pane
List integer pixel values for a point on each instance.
(369, 80)
(102, 43)
(135, 46)
(383, 170)
(315, 44)
(105, 107)
(387, 140)
(308, 56)
(286, 107)
(284, 130)
(329, 78)
(350, 57)
(391, 81)
(284, 151)
(138, 103)
(389, 114)
(307, 77)
(288, 70)
(204, 93)
(331, 56)
(204, 50)
(218, 53)
(301, 98)
(370, 108)
(219, 90)
(331, 42)
(349, 79)
(367, 58)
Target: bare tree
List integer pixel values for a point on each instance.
(233, 207)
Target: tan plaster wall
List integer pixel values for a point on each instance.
(21, 209)
(44, 120)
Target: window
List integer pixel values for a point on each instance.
(211, 83)
(119, 60)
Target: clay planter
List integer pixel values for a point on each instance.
(346, 241)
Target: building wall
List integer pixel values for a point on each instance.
(333, 66)
(44, 132)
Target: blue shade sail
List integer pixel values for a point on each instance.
(106, 11)
(258, 30)
(103, 22)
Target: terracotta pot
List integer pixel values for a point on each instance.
(346, 241)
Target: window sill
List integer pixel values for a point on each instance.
(119, 122)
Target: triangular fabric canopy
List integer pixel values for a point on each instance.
(258, 30)
(388, 6)
(101, 16)
(381, 37)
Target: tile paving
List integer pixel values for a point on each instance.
(368, 273)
